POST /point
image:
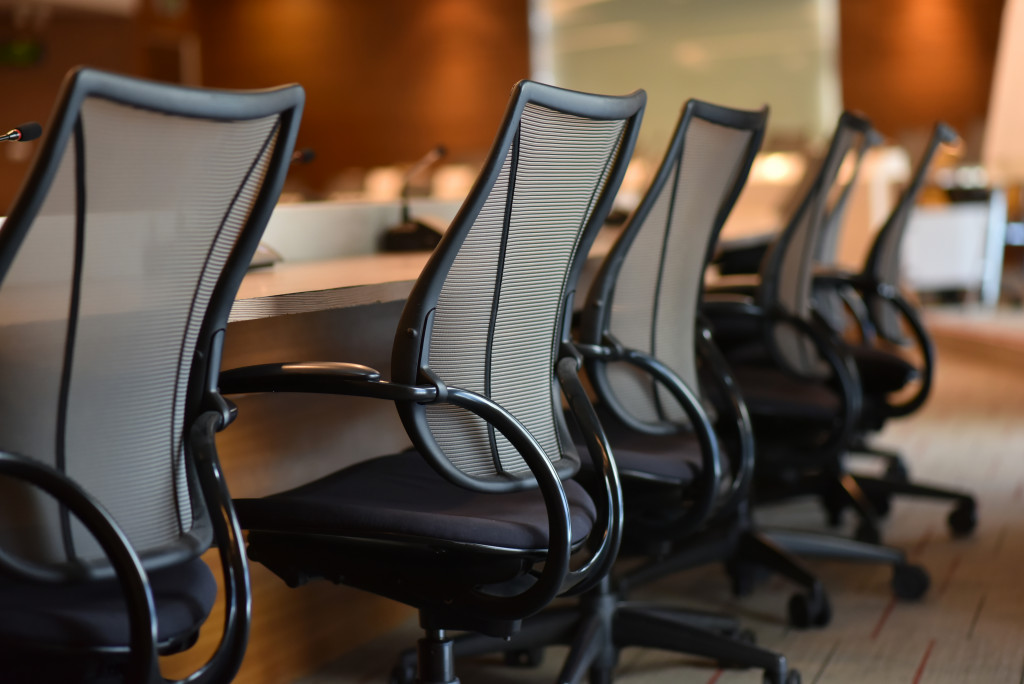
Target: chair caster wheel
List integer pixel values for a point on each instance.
(747, 636)
(910, 582)
(809, 610)
(403, 673)
(867, 533)
(833, 512)
(791, 677)
(744, 578)
(896, 472)
(527, 657)
(963, 519)
(880, 503)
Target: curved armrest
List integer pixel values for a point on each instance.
(551, 579)
(924, 343)
(142, 664)
(322, 377)
(847, 285)
(844, 370)
(722, 376)
(842, 367)
(606, 537)
(224, 663)
(711, 462)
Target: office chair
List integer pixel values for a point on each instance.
(652, 362)
(476, 526)
(118, 267)
(802, 390)
(883, 319)
(671, 478)
(744, 255)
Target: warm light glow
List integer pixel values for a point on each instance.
(777, 168)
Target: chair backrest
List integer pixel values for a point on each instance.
(647, 293)
(788, 268)
(488, 314)
(883, 262)
(118, 266)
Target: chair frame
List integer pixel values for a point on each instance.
(206, 411)
(414, 385)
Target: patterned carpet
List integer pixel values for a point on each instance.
(968, 628)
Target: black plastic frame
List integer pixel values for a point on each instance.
(409, 354)
(600, 348)
(219, 105)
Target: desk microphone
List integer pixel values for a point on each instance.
(411, 235)
(303, 155)
(23, 133)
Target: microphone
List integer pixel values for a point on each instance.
(303, 155)
(411, 235)
(23, 133)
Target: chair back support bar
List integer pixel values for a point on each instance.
(883, 262)
(648, 290)
(788, 268)
(118, 267)
(488, 314)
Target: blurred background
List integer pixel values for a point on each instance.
(389, 81)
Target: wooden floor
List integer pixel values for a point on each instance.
(968, 628)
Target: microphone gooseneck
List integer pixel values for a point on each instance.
(23, 133)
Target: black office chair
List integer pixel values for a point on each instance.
(654, 368)
(894, 384)
(802, 390)
(674, 475)
(475, 527)
(745, 255)
(118, 266)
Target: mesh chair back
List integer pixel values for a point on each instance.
(883, 262)
(117, 267)
(492, 299)
(787, 271)
(647, 293)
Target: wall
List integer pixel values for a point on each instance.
(67, 38)
(906, 63)
(385, 82)
(740, 53)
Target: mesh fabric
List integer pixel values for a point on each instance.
(495, 327)
(161, 200)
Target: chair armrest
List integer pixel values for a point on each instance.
(743, 476)
(551, 580)
(322, 377)
(142, 664)
(224, 663)
(606, 537)
(711, 461)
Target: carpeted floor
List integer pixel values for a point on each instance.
(968, 628)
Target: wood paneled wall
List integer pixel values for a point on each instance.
(906, 63)
(385, 81)
(68, 38)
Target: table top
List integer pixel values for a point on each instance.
(307, 286)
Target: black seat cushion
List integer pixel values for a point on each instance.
(402, 495)
(880, 371)
(672, 459)
(773, 393)
(92, 615)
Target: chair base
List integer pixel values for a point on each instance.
(878, 491)
(748, 556)
(600, 625)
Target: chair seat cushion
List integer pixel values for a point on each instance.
(402, 495)
(672, 459)
(91, 615)
(880, 371)
(773, 393)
